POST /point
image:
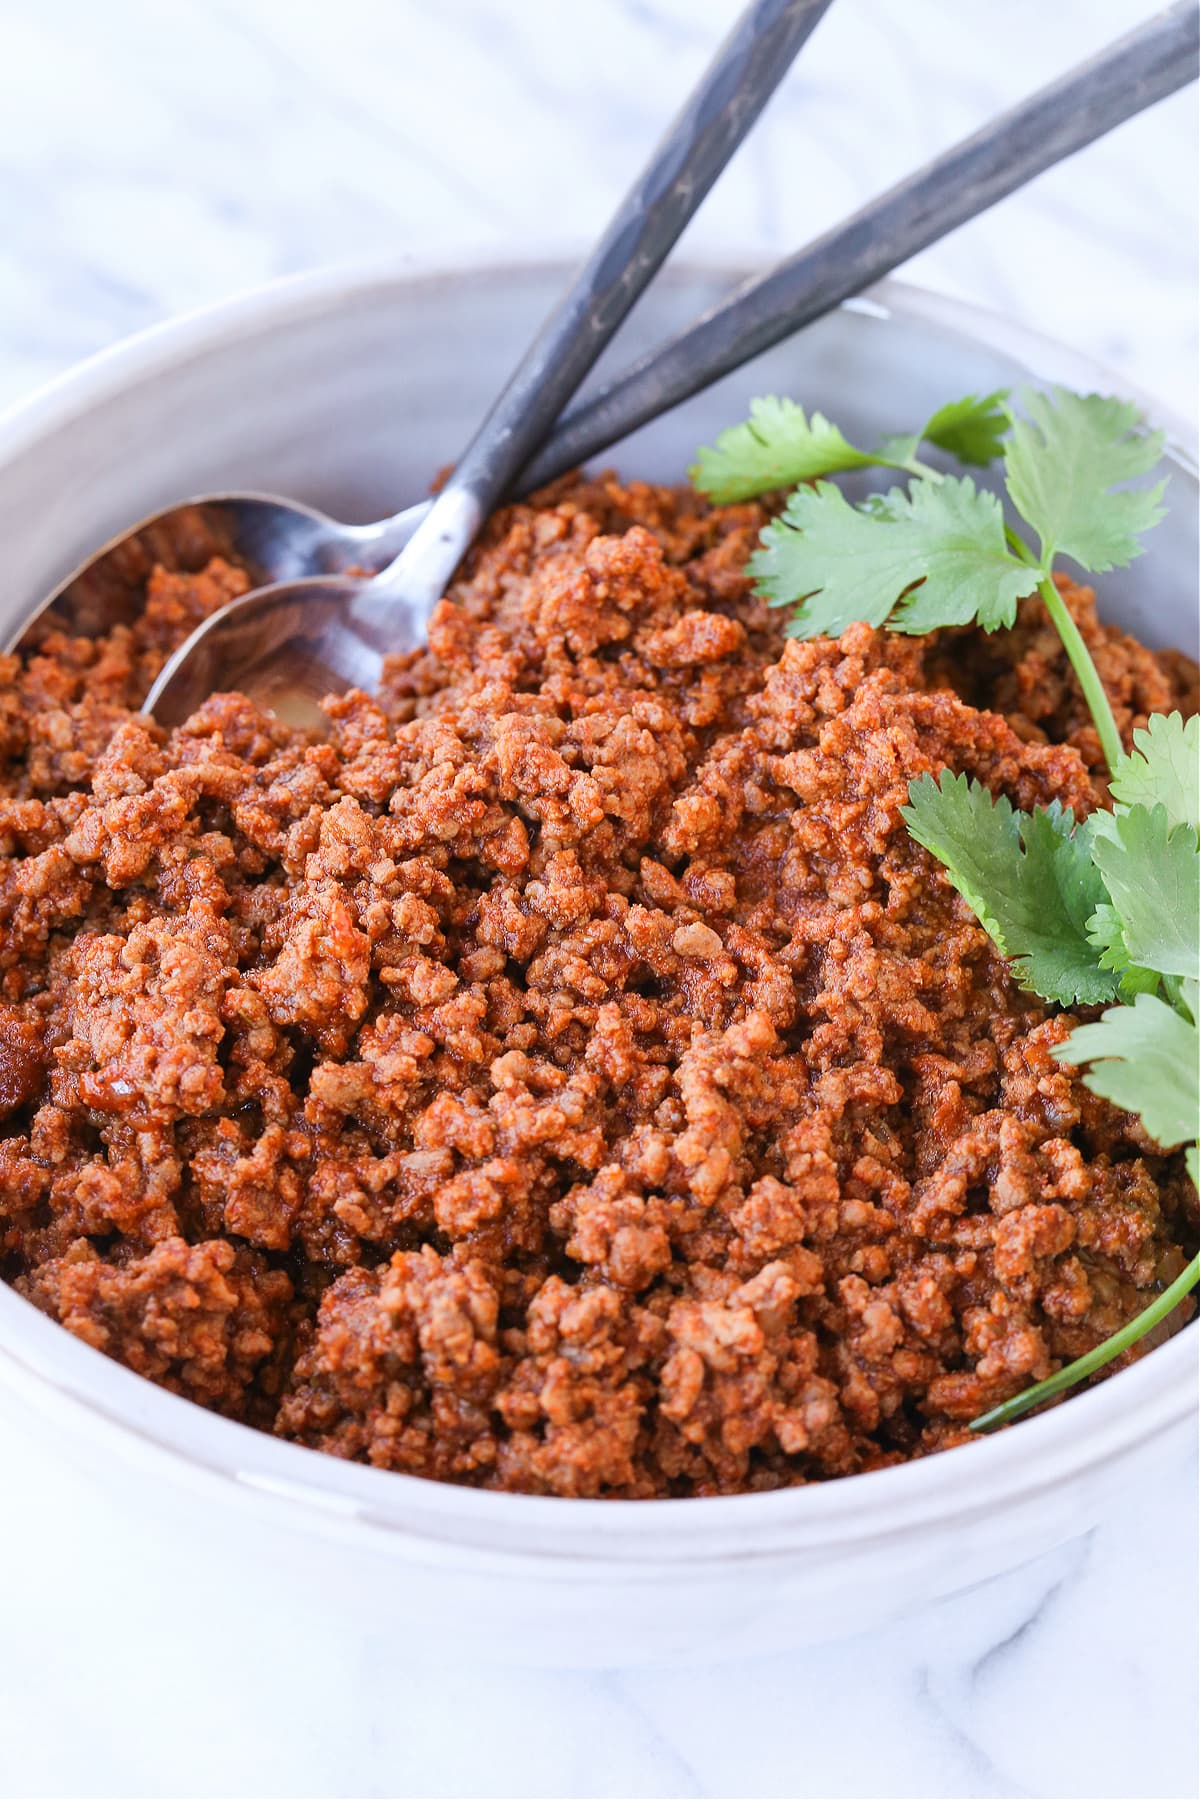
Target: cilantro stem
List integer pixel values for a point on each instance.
(923, 471)
(1077, 652)
(1085, 670)
(1084, 1366)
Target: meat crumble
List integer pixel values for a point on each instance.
(568, 1076)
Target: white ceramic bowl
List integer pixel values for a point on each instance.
(349, 390)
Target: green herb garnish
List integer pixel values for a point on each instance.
(779, 446)
(935, 555)
(1162, 768)
(1107, 910)
(1061, 464)
(1029, 878)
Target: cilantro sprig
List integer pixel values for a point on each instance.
(1099, 913)
(1108, 910)
(941, 547)
(779, 446)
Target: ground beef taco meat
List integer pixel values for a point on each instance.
(568, 1077)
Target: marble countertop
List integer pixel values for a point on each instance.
(154, 159)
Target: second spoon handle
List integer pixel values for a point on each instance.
(733, 91)
(1144, 66)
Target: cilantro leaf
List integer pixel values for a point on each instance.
(972, 576)
(1106, 935)
(1145, 1058)
(1152, 872)
(971, 429)
(1062, 463)
(848, 563)
(1028, 878)
(776, 447)
(1164, 767)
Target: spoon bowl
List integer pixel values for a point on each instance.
(276, 540)
(289, 645)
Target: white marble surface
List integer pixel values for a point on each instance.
(156, 157)
(1072, 1677)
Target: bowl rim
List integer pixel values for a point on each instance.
(195, 330)
(318, 1492)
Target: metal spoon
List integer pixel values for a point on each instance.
(295, 640)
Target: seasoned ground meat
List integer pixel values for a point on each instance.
(569, 1076)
